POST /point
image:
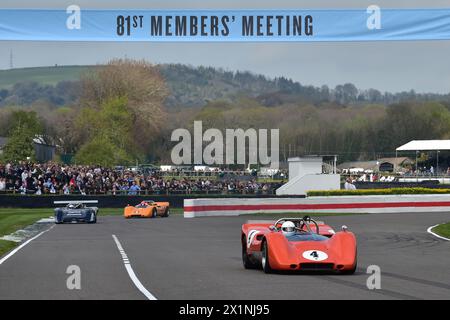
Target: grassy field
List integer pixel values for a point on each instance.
(43, 75)
(15, 219)
(443, 230)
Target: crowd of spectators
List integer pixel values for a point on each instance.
(53, 178)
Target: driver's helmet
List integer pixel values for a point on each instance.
(288, 228)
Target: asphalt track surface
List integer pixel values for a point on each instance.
(200, 258)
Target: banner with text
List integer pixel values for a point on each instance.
(368, 24)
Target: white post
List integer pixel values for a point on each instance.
(395, 164)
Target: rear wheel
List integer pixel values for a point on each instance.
(154, 213)
(166, 213)
(265, 258)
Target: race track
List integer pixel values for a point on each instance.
(177, 258)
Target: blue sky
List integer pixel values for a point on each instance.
(387, 66)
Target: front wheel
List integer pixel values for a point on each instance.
(265, 258)
(246, 261)
(154, 213)
(350, 271)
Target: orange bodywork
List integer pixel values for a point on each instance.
(337, 252)
(147, 209)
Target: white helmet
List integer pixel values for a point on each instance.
(288, 228)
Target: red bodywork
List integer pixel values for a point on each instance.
(334, 252)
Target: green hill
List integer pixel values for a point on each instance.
(42, 75)
(195, 86)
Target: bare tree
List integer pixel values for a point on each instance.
(140, 83)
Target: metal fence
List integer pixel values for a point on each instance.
(145, 192)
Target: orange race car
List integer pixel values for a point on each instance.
(147, 209)
(298, 245)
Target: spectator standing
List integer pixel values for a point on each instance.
(348, 185)
(2, 184)
(134, 189)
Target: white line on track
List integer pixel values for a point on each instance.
(436, 235)
(130, 271)
(9, 255)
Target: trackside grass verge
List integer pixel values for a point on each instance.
(6, 246)
(369, 192)
(443, 230)
(13, 219)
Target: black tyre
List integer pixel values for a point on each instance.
(246, 261)
(57, 214)
(265, 258)
(154, 213)
(95, 217)
(166, 213)
(351, 271)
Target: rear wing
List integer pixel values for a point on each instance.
(76, 201)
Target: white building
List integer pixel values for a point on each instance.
(307, 174)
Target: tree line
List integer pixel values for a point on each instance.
(122, 113)
(195, 86)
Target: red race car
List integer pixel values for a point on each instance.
(298, 244)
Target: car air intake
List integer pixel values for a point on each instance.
(316, 266)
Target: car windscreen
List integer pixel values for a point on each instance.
(306, 236)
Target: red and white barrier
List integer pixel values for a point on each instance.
(358, 204)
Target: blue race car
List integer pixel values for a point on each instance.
(76, 211)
